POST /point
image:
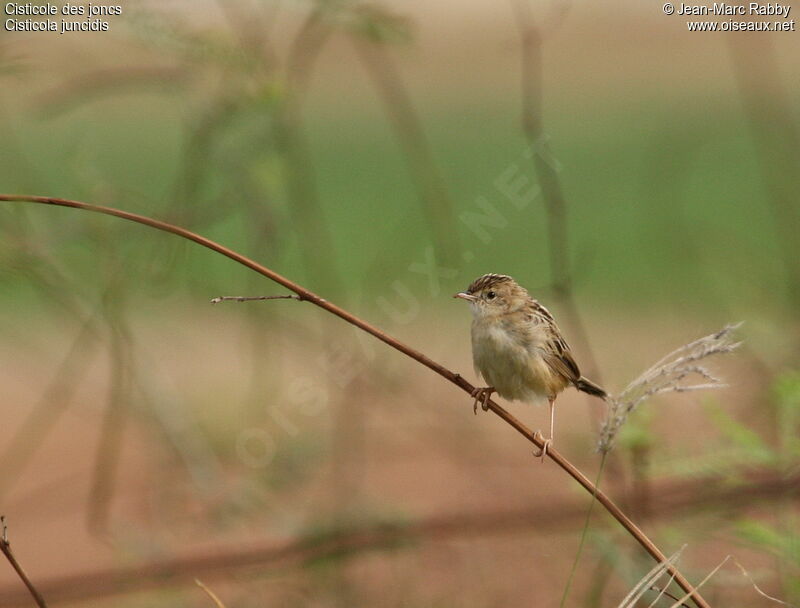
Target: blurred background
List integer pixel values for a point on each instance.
(641, 180)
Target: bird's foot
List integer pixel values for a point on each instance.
(481, 395)
(546, 443)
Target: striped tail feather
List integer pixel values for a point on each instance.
(589, 387)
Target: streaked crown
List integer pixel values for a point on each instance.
(487, 281)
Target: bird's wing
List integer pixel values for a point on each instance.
(559, 358)
(556, 352)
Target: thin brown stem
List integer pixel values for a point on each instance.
(661, 591)
(536, 438)
(5, 547)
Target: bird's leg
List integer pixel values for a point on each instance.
(548, 442)
(481, 395)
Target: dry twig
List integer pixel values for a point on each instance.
(758, 589)
(219, 299)
(209, 593)
(5, 547)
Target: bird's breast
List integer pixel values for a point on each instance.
(509, 361)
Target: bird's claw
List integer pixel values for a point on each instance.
(546, 443)
(481, 395)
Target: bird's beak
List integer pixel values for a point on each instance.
(465, 296)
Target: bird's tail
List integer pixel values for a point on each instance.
(587, 386)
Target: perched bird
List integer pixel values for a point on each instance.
(518, 348)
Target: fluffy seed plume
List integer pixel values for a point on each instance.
(678, 372)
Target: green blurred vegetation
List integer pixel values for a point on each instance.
(659, 216)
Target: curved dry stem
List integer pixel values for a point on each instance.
(217, 602)
(304, 294)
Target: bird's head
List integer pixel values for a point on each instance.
(494, 294)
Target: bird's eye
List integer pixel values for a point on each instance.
(490, 295)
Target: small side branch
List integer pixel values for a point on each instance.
(219, 299)
(5, 547)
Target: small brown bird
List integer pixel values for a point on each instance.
(518, 348)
